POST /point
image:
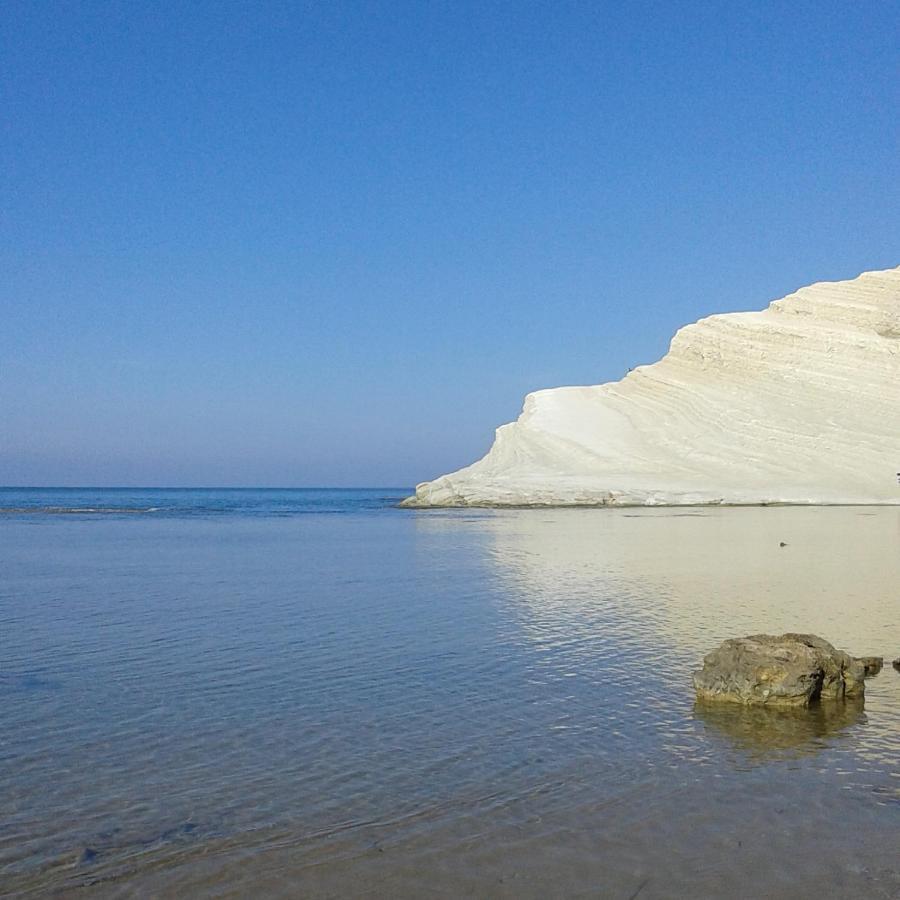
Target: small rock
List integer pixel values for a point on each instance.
(896, 663)
(785, 670)
(782, 544)
(872, 664)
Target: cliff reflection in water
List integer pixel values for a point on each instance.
(702, 575)
(637, 597)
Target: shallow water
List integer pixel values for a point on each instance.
(316, 694)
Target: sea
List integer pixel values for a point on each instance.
(315, 693)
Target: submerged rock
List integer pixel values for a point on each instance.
(778, 731)
(784, 670)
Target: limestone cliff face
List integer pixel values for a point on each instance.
(799, 403)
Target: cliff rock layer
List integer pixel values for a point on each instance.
(799, 403)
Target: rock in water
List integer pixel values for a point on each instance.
(788, 670)
(871, 664)
(794, 404)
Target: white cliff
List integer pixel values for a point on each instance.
(798, 403)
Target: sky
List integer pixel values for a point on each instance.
(288, 244)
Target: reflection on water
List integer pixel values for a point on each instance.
(768, 733)
(677, 584)
(459, 703)
(707, 576)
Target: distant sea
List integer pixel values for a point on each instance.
(313, 693)
(198, 502)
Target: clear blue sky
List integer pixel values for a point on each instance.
(336, 243)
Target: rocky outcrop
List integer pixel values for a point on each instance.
(787, 670)
(795, 404)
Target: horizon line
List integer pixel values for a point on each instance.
(199, 487)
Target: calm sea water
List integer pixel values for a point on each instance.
(315, 694)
